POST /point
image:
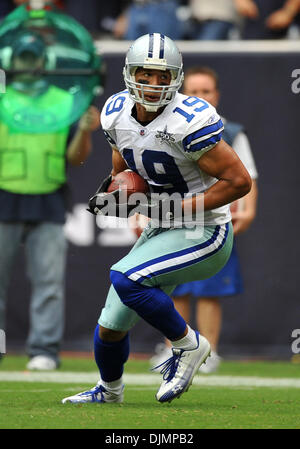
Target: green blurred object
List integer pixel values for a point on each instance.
(40, 49)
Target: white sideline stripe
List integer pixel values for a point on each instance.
(147, 379)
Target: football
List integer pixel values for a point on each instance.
(130, 182)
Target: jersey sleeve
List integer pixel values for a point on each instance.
(109, 116)
(203, 136)
(110, 137)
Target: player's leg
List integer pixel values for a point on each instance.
(164, 350)
(46, 258)
(152, 302)
(111, 341)
(10, 239)
(111, 348)
(166, 258)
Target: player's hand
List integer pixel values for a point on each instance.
(100, 200)
(101, 189)
(110, 204)
(152, 206)
(104, 184)
(90, 120)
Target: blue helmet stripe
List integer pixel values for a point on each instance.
(150, 51)
(162, 46)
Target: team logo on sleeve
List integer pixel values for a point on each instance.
(214, 118)
(164, 136)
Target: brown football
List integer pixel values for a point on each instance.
(130, 182)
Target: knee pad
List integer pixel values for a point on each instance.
(128, 291)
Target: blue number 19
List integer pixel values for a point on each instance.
(191, 101)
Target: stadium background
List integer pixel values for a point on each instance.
(256, 86)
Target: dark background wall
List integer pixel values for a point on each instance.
(256, 91)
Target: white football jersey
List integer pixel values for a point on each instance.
(166, 150)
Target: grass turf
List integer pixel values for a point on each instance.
(37, 405)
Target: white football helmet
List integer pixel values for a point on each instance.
(153, 51)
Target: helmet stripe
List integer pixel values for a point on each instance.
(151, 42)
(162, 46)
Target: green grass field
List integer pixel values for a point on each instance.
(242, 395)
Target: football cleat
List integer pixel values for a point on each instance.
(179, 370)
(97, 394)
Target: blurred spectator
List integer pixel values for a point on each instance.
(97, 16)
(212, 19)
(149, 16)
(33, 190)
(267, 19)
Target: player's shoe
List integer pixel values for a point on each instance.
(97, 394)
(41, 363)
(179, 370)
(163, 352)
(212, 364)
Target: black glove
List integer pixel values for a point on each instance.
(101, 189)
(104, 185)
(154, 206)
(110, 204)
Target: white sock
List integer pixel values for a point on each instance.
(189, 341)
(115, 386)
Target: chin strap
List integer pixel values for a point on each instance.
(150, 108)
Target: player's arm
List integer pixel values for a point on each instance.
(118, 163)
(234, 181)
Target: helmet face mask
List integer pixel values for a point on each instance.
(158, 52)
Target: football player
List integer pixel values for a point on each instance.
(175, 143)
